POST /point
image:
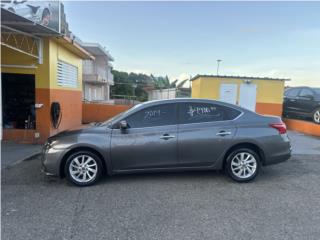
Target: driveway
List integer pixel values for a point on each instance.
(283, 203)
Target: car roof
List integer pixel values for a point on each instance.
(189, 100)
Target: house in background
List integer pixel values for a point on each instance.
(97, 76)
(262, 95)
(168, 93)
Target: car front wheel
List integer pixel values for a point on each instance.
(83, 168)
(316, 116)
(243, 165)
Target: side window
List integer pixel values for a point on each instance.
(305, 92)
(293, 92)
(204, 112)
(160, 115)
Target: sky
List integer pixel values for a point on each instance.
(183, 39)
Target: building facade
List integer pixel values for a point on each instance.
(97, 76)
(262, 95)
(42, 90)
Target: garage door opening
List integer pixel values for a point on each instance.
(18, 101)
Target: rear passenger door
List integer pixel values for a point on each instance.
(204, 132)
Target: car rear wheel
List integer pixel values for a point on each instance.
(243, 165)
(83, 168)
(316, 116)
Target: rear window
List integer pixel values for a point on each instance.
(305, 92)
(205, 112)
(292, 92)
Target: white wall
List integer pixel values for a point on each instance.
(96, 92)
(168, 93)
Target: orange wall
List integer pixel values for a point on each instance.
(20, 135)
(95, 112)
(309, 128)
(269, 109)
(71, 108)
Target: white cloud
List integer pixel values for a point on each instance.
(299, 75)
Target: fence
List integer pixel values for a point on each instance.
(305, 127)
(99, 112)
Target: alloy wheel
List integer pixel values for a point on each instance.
(316, 116)
(243, 165)
(83, 168)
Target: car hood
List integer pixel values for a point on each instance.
(80, 130)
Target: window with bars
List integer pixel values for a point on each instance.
(67, 75)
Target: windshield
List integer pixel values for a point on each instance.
(118, 116)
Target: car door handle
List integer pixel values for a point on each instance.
(223, 133)
(166, 136)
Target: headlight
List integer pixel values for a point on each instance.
(49, 144)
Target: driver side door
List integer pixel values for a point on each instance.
(149, 142)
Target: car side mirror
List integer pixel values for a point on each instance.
(123, 124)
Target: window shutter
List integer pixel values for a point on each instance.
(67, 75)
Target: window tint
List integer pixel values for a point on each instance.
(317, 90)
(293, 92)
(160, 115)
(204, 112)
(306, 92)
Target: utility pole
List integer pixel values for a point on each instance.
(218, 64)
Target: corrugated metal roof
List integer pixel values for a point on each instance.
(239, 77)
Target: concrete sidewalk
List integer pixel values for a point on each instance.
(13, 153)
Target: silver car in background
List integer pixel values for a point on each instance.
(170, 135)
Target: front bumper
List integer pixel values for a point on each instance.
(51, 160)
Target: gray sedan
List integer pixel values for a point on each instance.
(170, 135)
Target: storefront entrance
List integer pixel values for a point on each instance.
(18, 101)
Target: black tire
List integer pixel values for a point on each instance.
(98, 167)
(314, 118)
(232, 155)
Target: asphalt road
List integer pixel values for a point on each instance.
(283, 203)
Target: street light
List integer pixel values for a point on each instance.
(218, 64)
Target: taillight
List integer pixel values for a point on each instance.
(281, 127)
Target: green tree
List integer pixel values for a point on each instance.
(135, 84)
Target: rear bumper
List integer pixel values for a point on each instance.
(284, 156)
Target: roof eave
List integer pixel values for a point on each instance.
(239, 77)
(100, 48)
(75, 48)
